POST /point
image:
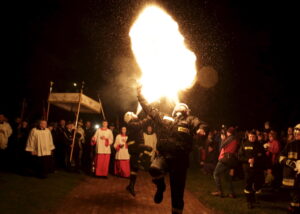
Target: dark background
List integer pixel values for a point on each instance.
(249, 43)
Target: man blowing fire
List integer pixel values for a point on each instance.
(175, 138)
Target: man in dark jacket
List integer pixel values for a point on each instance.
(87, 154)
(73, 164)
(60, 147)
(135, 146)
(175, 141)
(290, 159)
(252, 155)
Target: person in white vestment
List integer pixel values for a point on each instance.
(40, 145)
(150, 140)
(103, 139)
(122, 165)
(5, 132)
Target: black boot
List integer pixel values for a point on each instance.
(176, 211)
(130, 187)
(161, 187)
(249, 198)
(249, 205)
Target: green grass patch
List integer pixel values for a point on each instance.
(21, 194)
(202, 185)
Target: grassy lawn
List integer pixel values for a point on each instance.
(201, 185)
(21, 194)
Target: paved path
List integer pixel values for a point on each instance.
(101, 196)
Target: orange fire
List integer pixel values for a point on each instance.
(167, 65)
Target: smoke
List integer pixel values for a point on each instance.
(119, 92)
(208, 77)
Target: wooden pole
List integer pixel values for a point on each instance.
(102, 111)
(48, 106)
(76, 121)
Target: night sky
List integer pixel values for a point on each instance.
(248, 43)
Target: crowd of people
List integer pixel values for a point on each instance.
(40, 148)
(261, 157)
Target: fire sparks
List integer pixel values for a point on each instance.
(167, 65)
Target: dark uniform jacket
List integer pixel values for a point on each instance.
(253, 150)
(68, 139)
(291, 152)
(135, 135)
(175, 136)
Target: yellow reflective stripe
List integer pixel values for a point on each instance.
(295, 204)
(293, 155)
(248, 147)
(183, 129)
(177, 211)
(281, 158)
(168, 118)
(258, 192)
(130, 143)
(288, 182)
(133, 173)
(147, 153)
(246, 191)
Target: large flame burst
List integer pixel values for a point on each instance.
(167, 65)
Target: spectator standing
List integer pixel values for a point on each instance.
(226, 163)
(211, 155)
(253, 158)
(87, 154)
(60, 145)
(273, 151)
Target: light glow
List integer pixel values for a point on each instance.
(167, 65)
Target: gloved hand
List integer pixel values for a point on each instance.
(291, 164)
